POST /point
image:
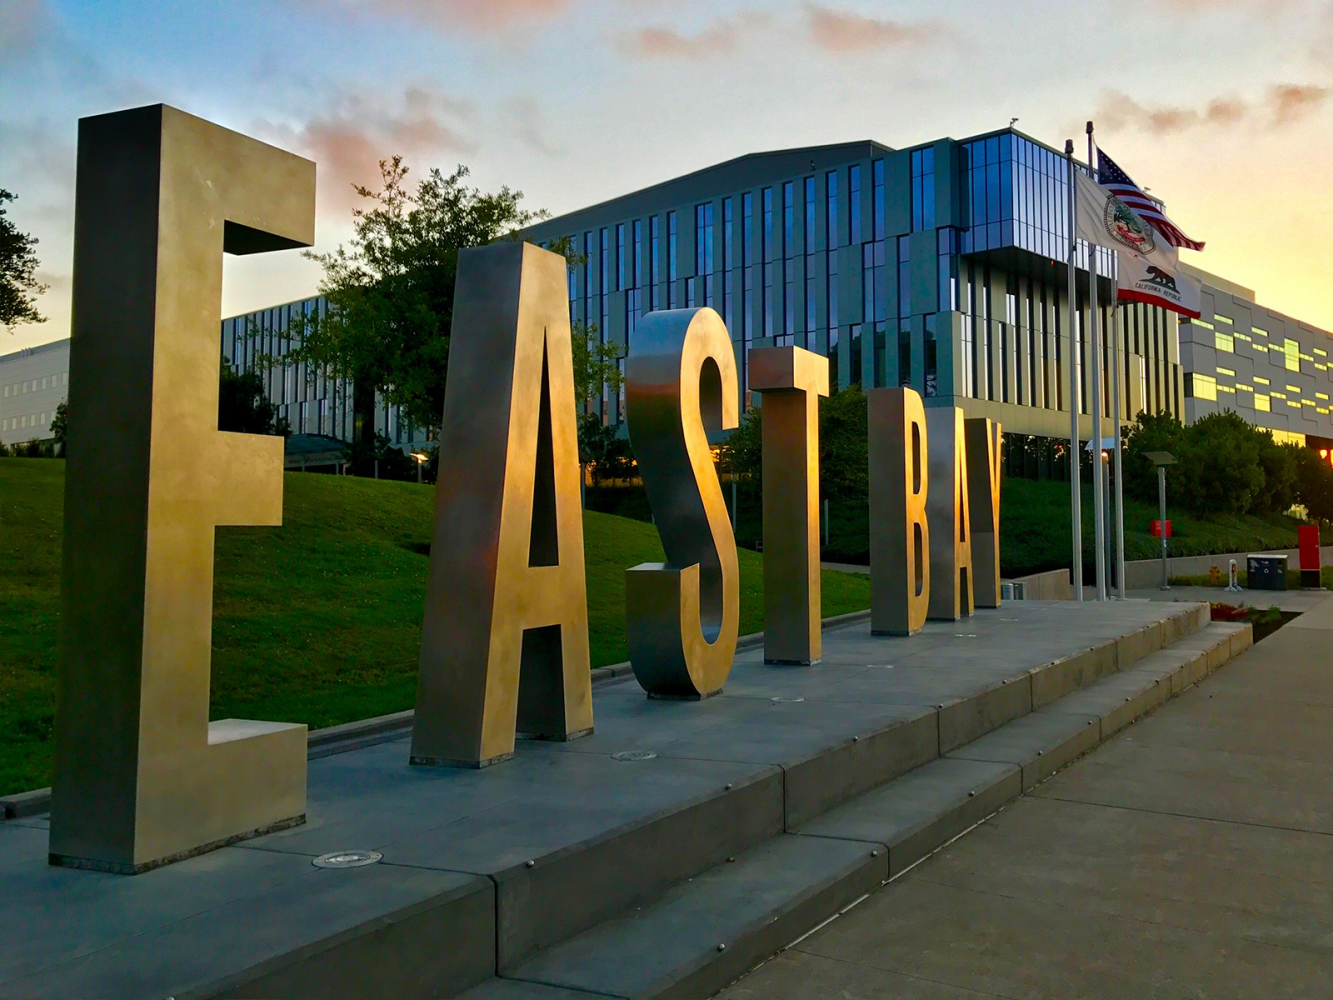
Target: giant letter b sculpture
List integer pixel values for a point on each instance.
(141, 776)
(899, 530)
(682, 615)
(505, 636)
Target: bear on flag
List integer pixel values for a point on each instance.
(1149, 269)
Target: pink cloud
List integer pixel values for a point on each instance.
(845, 31)
(349, 139)
(720, 36)
(1281, 105)
(479, 16)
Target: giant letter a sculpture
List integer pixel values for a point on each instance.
(505, 635)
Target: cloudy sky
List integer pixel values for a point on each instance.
(1223, 107)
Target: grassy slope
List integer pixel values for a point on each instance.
(317, 621)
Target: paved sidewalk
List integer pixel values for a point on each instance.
(1192, 856)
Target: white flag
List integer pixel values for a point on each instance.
(1149, 269)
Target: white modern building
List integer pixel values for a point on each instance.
(33, 382)
(1271, 369)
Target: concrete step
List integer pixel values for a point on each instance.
(567, 840)
(715, 927)
(706, 931)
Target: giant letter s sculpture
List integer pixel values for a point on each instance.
(899, 532)
(792, 380)
(505, 635)
(682, 615)
(141, 776)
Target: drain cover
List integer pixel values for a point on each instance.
(784, 700)
(633, 755)
(347, 859)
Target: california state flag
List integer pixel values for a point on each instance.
(1149, 270)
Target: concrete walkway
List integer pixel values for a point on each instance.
(1192, 856)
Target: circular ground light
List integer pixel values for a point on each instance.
(347, 859)
(633, 755)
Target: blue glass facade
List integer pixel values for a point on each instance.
(940, 267)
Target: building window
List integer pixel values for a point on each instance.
(923, 189)
(1199, 386)
(728, 262)
(810, 208)
(620, 256)
(747, 265)
(766, 241)
(671, 260)
(654, 260)
(635, 301)
(854, 204)
(703, 250)
(932, 355)
(605, 276)
(877, 173)
(831, 208)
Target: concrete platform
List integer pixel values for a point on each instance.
(1189, 857)
(491, 871)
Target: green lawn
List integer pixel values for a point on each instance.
(317, 621)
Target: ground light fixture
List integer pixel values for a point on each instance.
(1161, 459)
(422, 459)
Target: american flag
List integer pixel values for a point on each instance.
(1115, 180)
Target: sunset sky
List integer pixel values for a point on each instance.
(1224, 108)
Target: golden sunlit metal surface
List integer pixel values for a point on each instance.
(682, 615)
(791, 380)
(984, 437)
(899, 530)
(947, 514)
(141, 775)
(505, 634)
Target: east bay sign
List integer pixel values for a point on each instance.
(142, 777)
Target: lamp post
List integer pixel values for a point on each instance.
(1162, 459)
(422, 459)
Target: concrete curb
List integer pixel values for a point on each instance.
(386, 728)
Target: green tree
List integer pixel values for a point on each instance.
(19, 286)
(59, 425)
(391, 293)
(1151, 432)
(1278, 462)
(843, 446)
(243, 406)
(596, 365)
(1313, 483)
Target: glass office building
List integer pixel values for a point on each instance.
(940, 267)
(309, 400)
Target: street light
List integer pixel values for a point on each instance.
(1162, 459)
(422, 459)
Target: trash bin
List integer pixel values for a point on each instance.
(1266, 572)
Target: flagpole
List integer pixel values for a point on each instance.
(1119, 489)
(1095, 383)
(1075, 501)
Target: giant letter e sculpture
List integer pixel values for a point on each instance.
(141, 775)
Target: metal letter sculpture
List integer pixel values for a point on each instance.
(142, 777)
(682, 615)
(983, 479)
(947, 513)
(899, 530)
(505, 635)
(792, 380)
